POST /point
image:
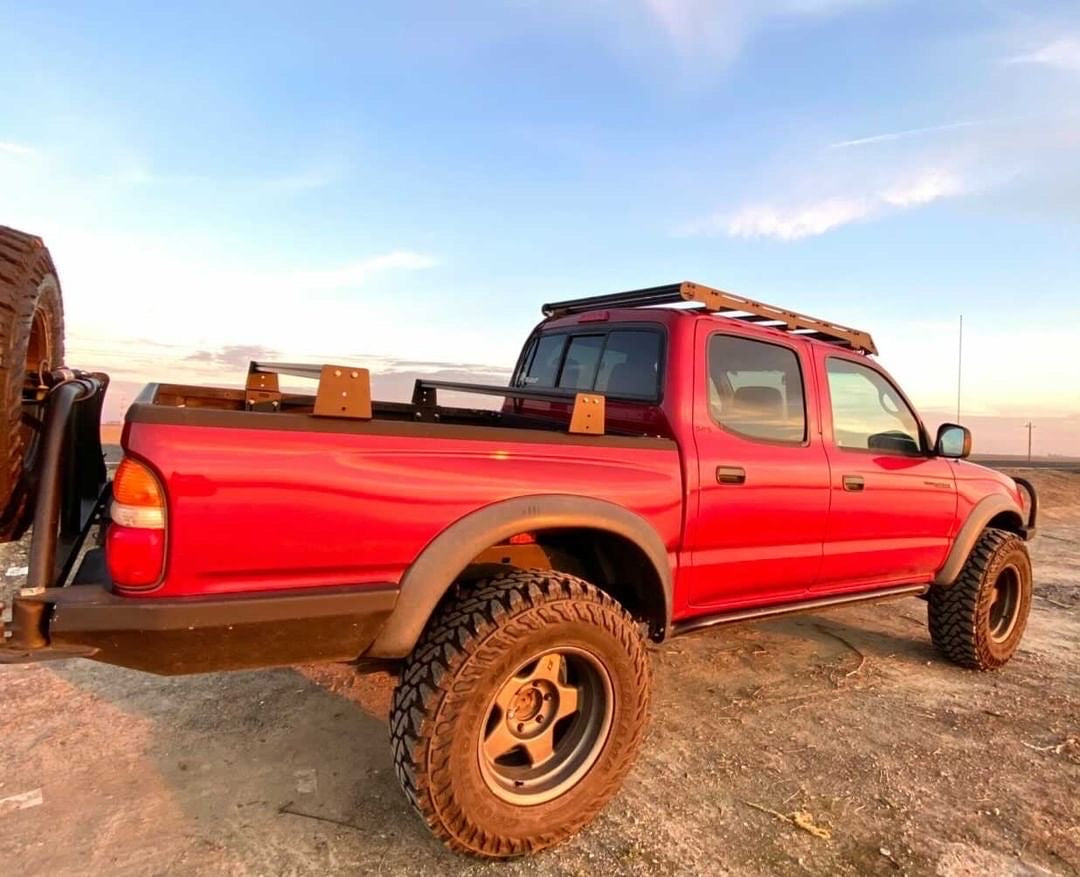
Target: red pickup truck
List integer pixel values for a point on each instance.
(654, 470)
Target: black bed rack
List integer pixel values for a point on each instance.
(726, 304)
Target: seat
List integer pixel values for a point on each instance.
(631, 378)
(758, 404)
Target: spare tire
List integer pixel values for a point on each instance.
(31, 343)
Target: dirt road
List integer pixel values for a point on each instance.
(913, 766)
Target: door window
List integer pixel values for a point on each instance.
(756, 389)
(868, 413)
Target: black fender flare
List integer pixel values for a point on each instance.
(985, 510)
(433, 572)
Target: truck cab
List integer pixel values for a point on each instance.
(808, 471)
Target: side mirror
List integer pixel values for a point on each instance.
(953, 441)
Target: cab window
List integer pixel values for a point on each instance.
(630, 365)
(582, 358)
(543, 361)
(622, 363)
(868, 413)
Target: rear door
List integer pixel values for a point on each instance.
(893, 504)
(756, 534)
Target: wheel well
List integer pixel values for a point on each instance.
(1007, 521)
(612, 562)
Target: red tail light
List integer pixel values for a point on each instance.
(135, 540)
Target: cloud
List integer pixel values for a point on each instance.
(356, 274)
(235, 356)
(925, 188)
(892, 136)
(793, 223)
(1062, 54)
(17, 149)
(712, 33)
(810, 219)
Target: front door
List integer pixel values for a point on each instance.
(761, 507)
(893, 504)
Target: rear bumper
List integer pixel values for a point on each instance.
(172, 636)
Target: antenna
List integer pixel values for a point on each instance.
(959, 365)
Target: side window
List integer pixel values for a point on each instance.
(756, 389)
(543, 367)
(582, 357)
(630, 365)
(868, 413)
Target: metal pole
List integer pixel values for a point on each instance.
(1030, 426)
(959, 365)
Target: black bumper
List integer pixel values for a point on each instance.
(173, 636)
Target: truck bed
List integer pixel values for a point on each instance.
(283, 499)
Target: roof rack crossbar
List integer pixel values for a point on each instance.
(718, 301)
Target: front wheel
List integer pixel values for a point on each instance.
(979, 620)
(519, 712)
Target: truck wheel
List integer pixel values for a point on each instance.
(519, 712)
(31, 336)
(979, 620)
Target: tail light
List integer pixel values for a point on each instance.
(135, 541)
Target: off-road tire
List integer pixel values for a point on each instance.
(31, 327)
(468, 650)
(959, 615)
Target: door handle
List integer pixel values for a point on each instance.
(730, 475)
(854, 483)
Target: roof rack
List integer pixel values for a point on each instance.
(724, 303)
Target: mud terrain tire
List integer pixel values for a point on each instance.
(446, 709)
(979, 620)
(31, 333)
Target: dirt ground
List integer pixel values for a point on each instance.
(913, 765)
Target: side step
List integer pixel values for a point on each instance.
(736, 615)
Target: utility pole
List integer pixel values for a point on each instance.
(1029, 426)
(959, 365)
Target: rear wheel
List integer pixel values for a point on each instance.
(31, 342)
(519, 713)
(979, 620)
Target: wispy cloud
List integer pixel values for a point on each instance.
(892, 136)
(356, 274)
(712, 33)
(1062, 53)
(18, 149)
(137, 174)
(234, 356)
(791, 223)
(809, 219)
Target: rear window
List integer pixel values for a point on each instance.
(623, 363)
(582, 358)
(630, 365)
(544, 361)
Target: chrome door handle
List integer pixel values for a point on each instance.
(854, 483)
(730, 475)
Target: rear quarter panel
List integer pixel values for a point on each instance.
(263, 509)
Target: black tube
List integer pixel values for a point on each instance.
(61, 402)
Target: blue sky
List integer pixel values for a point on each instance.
(402, 182)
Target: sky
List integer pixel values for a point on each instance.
(401, 185)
